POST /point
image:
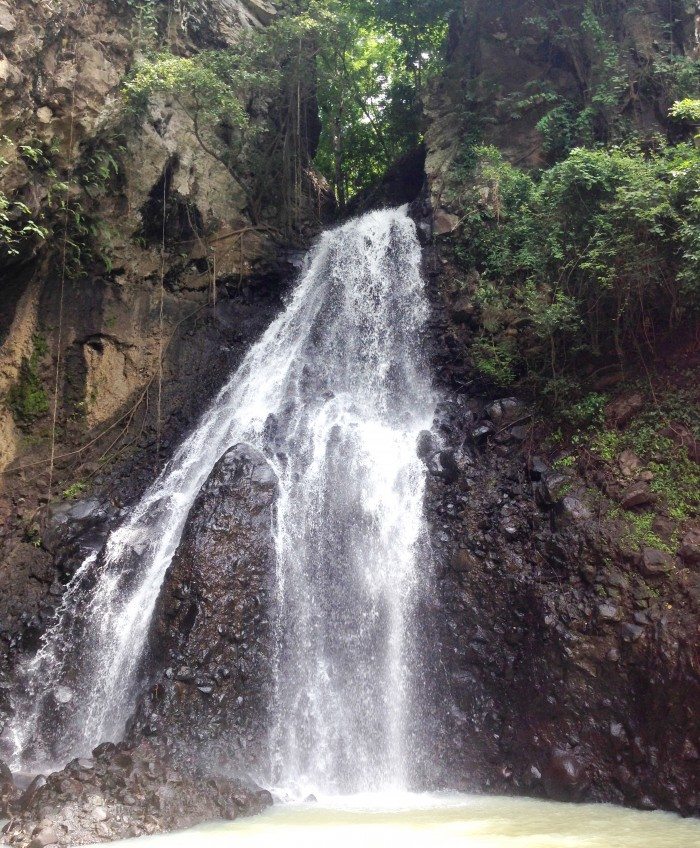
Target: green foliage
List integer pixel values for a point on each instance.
(17, 223)
(364, 63)
(374, 59)
(638, 532)
(587, 412)
(676, 477)
(495, 359)
(27, 398)
(74, 491)
(596, 256)
(686, 110)
(209, 85)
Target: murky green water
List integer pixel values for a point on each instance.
(441, 821)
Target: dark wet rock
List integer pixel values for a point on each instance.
(608, 612)
(75, 530)
(689, 550)
(551, 636)
(553, 487)
(449, 466)
(573, 510)
(505, 411)
(9, 793)
(211, 633)
(426, 445)
(480, 434)
(537, 468)
(638, 494)
(564, 775)
(27, 796)
(653, 562)
(126, 792)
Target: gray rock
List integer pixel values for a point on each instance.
(573, 510)
(638, 494)
(689, 550)
(608, 612)
(622, 409)
(8, 22)
(45, 836)
(553, 487)
(654, 562)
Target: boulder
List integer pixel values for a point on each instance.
(621, 410)
(638, 494)
(564, 775)
(8, 22)
(444, 222)
(630, 464)
(654, 562)
(552, 488)
(211, 639)
(689, 550)
(572, 510)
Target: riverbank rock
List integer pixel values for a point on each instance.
(8, 791)
(122, 792)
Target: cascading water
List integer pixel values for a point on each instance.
(335, 394)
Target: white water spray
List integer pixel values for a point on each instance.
(335, 394)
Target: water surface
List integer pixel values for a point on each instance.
(442, 821)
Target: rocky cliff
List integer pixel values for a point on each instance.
(569, 581)
(146, 273)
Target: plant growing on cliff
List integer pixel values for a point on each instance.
(17, 223)
(592, 257)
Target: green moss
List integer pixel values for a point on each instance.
(28, 399)
(638, 533)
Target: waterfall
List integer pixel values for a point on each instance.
(334, 394)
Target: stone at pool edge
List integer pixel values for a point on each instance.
(125, 792)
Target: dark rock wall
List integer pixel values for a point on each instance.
(211, 642)
(570, 669)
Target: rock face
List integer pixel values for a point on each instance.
(211, 640)
(123, 792)
(511, 59)
(128, 306)
(571, 667)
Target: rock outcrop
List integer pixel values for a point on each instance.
(211, 639)
(123, 792)
(570, 663)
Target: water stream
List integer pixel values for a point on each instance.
(334, 394)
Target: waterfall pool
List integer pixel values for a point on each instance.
(440, 821)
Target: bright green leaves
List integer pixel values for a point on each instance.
(373, 61)
(210, 85)
(17, 222)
